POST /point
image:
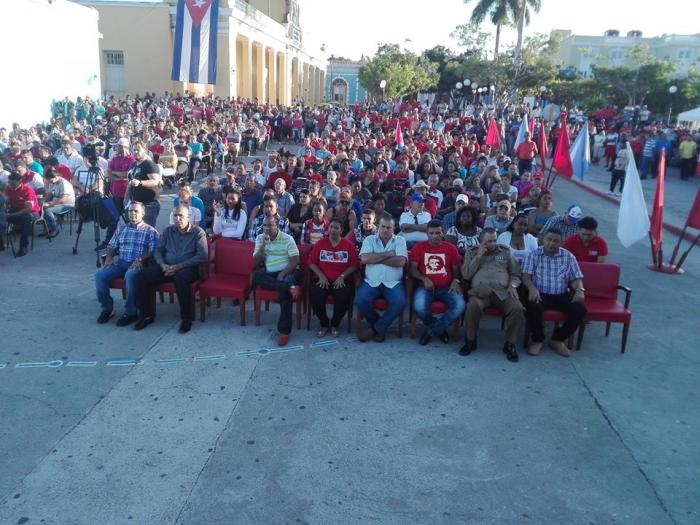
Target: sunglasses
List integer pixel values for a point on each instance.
(344, 202)
(503, 207)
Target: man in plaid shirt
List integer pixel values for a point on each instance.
(548, 274)
(131, 244)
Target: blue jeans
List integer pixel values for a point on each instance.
(102, 278)
(644, 167)
(421, 306)
(50, 213)
(151, 213)
(395, 297)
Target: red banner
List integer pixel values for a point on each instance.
(657, 214)
(493, 136)
(693, 220)
(562, 155)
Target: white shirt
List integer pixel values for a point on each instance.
(230, 228)
(74, 162)
(60, 188)
(407, 217)
(378, 273)
(438, 195)
(529, 240)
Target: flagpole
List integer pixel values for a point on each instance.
(678, 244)
(654, 260)
(685, 255)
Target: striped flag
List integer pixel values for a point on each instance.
(194, 54)
(524, 126)
(398, 136)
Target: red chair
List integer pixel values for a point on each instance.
(602, 282)
(261, 294)
(233, 268)
(436, 307)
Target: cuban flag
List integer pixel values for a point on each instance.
(194, 54)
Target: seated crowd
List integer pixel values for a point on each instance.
(381, 226)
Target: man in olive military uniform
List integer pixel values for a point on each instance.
(494, 277)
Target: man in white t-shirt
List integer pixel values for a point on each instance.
(59, 199)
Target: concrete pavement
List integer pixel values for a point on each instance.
(344, 432)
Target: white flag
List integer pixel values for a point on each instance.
(521, 133)
(633, 219)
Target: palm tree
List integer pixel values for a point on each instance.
(502, 12)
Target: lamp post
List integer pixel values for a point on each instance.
(671, 90)
(543, 90)
(382, 85)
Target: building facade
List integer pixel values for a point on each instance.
(260, 56)
(578, 53)
(343, 82)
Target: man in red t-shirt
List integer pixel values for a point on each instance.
(526, 151)
(587, 245)
(23, 209)
(332, 259)
(435, 263)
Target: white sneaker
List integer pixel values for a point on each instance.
(611, 193)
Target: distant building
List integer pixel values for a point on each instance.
(578, 53)
(343, 81)
(260, 50)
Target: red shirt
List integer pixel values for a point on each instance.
(19, 196)
(278, 175)
(436, 262)
(333, 261)
(526, 150)
(597, 248)
(64, 171)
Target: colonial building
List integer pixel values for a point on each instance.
(578, 53)
(343, 81)
(260, 50)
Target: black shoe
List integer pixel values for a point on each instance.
(54, 233)
(22, 252)
(126, 320)
(445, 337)
(185, 326)
(143, 323)
(104, 317)
(468, 347)
(425, 338)
(511, 352)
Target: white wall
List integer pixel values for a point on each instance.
(51, 52)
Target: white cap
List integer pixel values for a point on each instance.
(123, 142)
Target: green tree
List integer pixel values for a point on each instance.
(503, 12)
(404, 72)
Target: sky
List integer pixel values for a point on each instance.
(356, 27)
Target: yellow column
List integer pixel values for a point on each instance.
(322, 84)
(244, 78)
(305, 83)
(282, 79)
(295, 80)
(271, 61)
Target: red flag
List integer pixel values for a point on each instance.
(657, 214)
(398, 137)
(693, 220)
(531, 126)
(542, 145)
(562, 155)
(493, 135)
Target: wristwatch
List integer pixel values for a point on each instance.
(513, 285)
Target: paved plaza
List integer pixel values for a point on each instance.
(106, 425)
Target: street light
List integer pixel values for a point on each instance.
(671, 90)
(382, 85)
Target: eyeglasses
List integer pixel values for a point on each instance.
(503, 207)
(346, 203)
